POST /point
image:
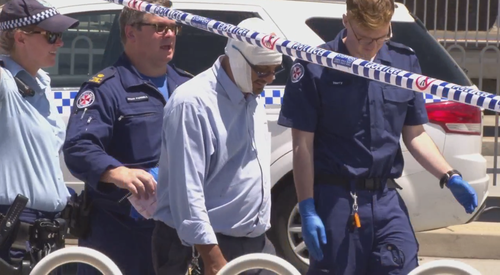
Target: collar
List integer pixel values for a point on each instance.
(339, 46)
(129, 75)
(16, 70)
(233, 92)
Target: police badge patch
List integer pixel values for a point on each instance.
(296, 72)
(86, 99)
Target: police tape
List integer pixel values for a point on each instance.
(326, 58)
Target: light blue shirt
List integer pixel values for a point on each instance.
(160, 82)
(32, 134)
(214, 169)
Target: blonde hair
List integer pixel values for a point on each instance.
(7, 41)
(371, 14)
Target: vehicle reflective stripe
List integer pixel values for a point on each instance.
(64, 99)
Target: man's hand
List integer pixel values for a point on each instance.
(463, 193)
(212, 268)
(213, 260)
(137, 181)
(313, 230)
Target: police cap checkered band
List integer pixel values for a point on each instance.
(30, 20)
(22, 13)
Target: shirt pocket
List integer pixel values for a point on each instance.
(140, 131)
(341, 109)
(395, 107)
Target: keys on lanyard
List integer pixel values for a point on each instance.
(354, 219)
(194, 266)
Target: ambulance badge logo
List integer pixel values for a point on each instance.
(86, 99)
(297, 72)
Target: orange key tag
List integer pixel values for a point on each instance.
(357, 222)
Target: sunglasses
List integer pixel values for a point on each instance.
(50, 36)
(162, 29)
(260, 73)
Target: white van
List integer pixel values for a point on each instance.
(454, 127)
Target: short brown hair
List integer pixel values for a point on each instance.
(370, 14)
(130, 16)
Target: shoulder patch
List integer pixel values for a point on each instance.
(102, 76)
(296, 72)
(85, 99)
(400, 46)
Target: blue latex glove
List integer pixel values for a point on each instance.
(463, 193)
(133, 212)
(313, 230)
(154, 172)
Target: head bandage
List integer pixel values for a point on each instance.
(258, 56)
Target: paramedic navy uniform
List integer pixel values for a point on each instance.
(357, 124)
(116, 121)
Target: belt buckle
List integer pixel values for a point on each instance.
(370, 184)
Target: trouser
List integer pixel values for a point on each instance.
(13, 255)
(385, 243)
(125, 241)
(172, 258)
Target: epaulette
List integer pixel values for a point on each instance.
(102, 76)
(182, 72)
(399, 46)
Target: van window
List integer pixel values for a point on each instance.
(434, 59)
(96, 44)
(197, 50)
(83, 50)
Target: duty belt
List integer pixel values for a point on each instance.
(359, 183)
(41, 237)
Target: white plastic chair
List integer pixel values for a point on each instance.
(445, 267)
(258, 261)
(76, 255)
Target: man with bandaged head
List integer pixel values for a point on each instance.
(214, 172)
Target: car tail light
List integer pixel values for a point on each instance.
(455, 117)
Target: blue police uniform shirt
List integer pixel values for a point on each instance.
(116, 121)
(32, 138)
(357, 122)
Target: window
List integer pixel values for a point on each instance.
(82, 53)
(196, 50)
(96, 44)
(434, 59)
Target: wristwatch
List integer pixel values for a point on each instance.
(444, 179)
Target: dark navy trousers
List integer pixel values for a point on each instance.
(173, 258)
(125, 241)
(385, 244)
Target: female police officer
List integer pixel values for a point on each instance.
(32, 131)
(346, 132)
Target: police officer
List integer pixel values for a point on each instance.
(114, 137)
(32, 130)
(346, 132)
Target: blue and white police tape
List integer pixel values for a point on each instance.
(330, 59)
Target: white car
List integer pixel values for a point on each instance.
(454, 127)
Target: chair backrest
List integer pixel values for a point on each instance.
(446, 267)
